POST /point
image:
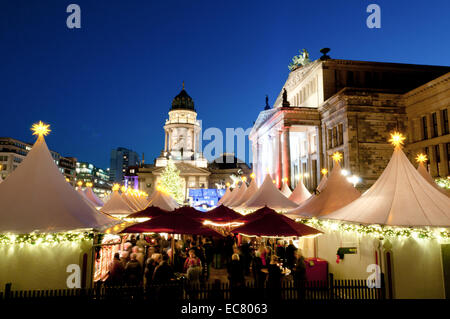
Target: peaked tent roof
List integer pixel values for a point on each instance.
(221, 214)
(163, 201)
(286, 190)
(232, 196)
(149, 212)
(300, 193)
(251, 190)
(116, 205)
(275, 225)
(269, 195)
(425, 174)
(52, 204)
(224, 197)
(130, 202)
(237, 198)
(322, 184)
(337, 193)
(92, 197)
(400, 197)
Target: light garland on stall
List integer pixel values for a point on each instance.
(379, 231)
(44, 238)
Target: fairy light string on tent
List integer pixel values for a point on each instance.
(45, 238)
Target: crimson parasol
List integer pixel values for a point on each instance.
(257, 214)
(189, 212)
(221, 214)
(150, 212)
(275, 225)
(172, 223)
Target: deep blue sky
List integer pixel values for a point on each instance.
(111, 82)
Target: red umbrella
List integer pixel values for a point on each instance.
(189, 212)
(150, 212)
(221, 214)
(257, 214)
(275, 225)
(172, 223)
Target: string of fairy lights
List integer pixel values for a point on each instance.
(45, 238)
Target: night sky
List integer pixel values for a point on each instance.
(111, 83)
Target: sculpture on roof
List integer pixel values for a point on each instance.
(299, 60)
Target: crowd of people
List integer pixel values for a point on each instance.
(146, 260)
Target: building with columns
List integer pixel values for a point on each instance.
(182, 145)
(331, 105)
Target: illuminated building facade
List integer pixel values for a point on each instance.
(330, 105)
(87, 172)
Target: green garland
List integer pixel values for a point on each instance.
(379, 231)
(44, 238)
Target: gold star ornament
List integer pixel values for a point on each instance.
(40, 129)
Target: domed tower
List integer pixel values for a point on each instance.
(182, 130)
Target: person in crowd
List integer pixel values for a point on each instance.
(281, 251)
(228, 248)
(263, 256)
(208, 247)
(116, 271)
(133, 271)
(218, 251)
(124, 258)
(246, 256)
(258, 275)
(192, 261)
(290, 255)
(163, 273)
(236, 272)
(141, 242)
(274, 278)
(139, 255)
(149, 270)
(132, 240)
(299, 274)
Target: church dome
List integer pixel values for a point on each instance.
(183, 101)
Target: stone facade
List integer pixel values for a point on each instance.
(350, 107)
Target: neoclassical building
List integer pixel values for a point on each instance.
(331, 105)
(182, 146)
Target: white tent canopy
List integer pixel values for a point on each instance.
(224, 197)
(286, 190)
(116, 205)
(237, 198)
(300, 193)
(92, 197)
(163, 201)
(322, 184)
(425, 174)
(251, 190)
(337, 193)
(232, 196)
(269, 195)
(400, 197)
(51, 204)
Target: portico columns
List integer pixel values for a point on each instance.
(286, 154)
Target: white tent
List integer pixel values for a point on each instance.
(92, 197)
(286, 190)
(400, 197)
(251, 190)
(127, 198)
(52, 204)
(224, 197)
(300, 193)
(237, 198)
(425, 174)
(322, 184)
(116, 205)
(269, 195)
(232, 196)
(337, 193)
(163, 201)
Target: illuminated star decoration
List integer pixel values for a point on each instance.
(80, 183)
(421, 158)
(285, 179)
(123, 189)
(252, 175)
(88, 184)
(397, 139)
(40, 129)
(337, 156)
(116, 187)
(324, 171)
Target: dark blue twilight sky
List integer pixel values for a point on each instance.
(111, 82)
